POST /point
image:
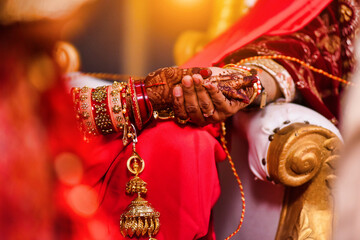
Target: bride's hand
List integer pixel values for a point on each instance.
(204, 103)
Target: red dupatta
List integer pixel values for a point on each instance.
(265, 18)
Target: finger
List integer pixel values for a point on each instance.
(224, 106)
(204, 100)
(240, 95)
(179, 107)
(250, 80)
(191, 102)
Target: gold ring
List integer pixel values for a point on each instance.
(209, 114)
(182, 121)
(139, 164)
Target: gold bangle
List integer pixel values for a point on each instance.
(182, 121)
(164, 114)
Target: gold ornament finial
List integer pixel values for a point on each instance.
(139, 218)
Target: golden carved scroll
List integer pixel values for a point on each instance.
(302, 157)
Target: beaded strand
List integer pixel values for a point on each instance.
(223, 143)
(314, 69)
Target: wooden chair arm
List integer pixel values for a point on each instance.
(302, 157)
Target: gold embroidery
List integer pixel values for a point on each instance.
(346, 13)
(99, 94)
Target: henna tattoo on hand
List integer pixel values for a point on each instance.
(235, 85)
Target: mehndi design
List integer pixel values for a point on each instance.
(110, 109)
(234, 84)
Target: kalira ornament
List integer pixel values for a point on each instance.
(139, 218)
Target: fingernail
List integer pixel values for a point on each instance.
(213, 86)
(187, 81)
(197, 78)
(177, 91)
(207, 85)
(205, 73)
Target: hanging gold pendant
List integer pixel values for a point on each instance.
(140, 218)
(136, 185)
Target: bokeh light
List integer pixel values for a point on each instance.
(83, 200)
(68, 168)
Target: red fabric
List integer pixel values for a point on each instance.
(318, 44)
(182, 178)
(38, 129)
(279, 17)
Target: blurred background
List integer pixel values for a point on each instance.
(136, 36)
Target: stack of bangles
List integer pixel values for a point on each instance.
(111, 109)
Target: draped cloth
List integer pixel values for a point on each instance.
(303, 30)
(180, 170)
(265, 18)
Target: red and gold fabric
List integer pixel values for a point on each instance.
(319, 33)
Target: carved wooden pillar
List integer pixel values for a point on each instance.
(302, 157)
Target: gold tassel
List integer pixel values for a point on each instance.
(139, 218)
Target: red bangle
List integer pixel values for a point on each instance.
(75, 93)
(84, 112)
(124, 106)
(148, 104)
(115, 106)
(143, 105)
(100, 109)
(125, 112)
(135, 105)
(106, 109)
